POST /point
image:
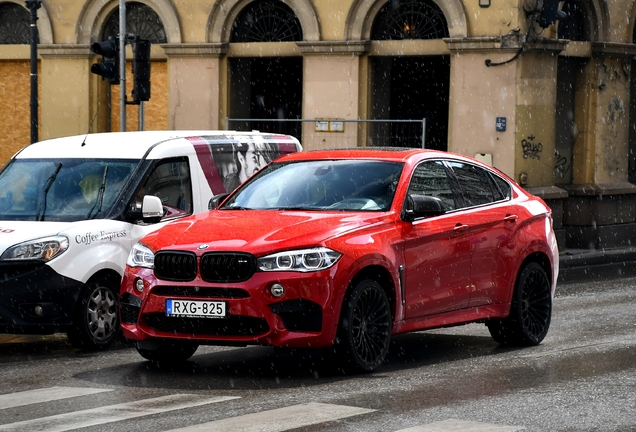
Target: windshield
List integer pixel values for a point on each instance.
(342, 185)
(63, 189)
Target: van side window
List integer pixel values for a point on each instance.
(171, 182)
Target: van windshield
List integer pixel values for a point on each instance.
(62, 189)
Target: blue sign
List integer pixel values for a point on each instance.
(501, 124)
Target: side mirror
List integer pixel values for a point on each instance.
(216, 200)
(420, 206)
(151, 209)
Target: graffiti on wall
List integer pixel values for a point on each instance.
(531, 150)
(561, 164)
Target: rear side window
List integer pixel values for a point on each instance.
(502, 188)
(477, 185)
(430, 179)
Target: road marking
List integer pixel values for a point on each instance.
(452, 425)
(113, 413)
(12, 400)
(281, 419)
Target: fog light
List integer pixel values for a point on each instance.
(139, 285)
(277, 290)
(38, 310)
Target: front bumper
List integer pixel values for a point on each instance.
(34, 299)
(305, 316)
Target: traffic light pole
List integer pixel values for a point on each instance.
(33, 6)
(122, 65)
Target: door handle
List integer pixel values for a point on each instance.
(460, 228)
(511, 218)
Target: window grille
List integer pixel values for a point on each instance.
(14, 24)
(141, 20)
(266, 21)
(409, 19)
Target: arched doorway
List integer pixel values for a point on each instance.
(411, 87)
(267, 90)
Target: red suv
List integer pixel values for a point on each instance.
(344, 249)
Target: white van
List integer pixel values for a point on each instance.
(72, 208)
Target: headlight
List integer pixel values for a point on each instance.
(305, 260)
(44, 249)
(141, 256)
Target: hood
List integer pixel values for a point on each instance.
(257, 232)
(14, 232)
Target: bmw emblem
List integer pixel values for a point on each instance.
(203, 246)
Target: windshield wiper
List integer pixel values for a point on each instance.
(235, 208)
(100, 196)
(45, 191)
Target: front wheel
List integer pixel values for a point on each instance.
(168, 353)
(96, 321)
(530, 310)
(365, 327)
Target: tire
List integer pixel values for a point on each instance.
(530, 310)
(169, 353)
(365, 326)
(96, 321)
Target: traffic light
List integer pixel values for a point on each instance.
(108, 68)
(141, 70)
(550, 13)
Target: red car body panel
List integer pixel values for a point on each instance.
(451, 269)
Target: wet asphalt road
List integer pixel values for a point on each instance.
(581, 378)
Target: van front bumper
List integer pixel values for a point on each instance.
(34, 299)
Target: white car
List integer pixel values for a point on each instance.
(72, 208)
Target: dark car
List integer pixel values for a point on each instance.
(344, 249)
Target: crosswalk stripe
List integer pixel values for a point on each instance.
(29, 397)
(281, 419)
(113, 413)
(452, 425)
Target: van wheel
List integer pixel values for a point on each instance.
(96, 321)
(169, 353)
(365, 327)
(530, 310)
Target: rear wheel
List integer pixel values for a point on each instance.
(365, 327)
(96, 321)
(169, 353)
(530, 310)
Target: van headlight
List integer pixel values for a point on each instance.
(304, 260)
(141, 256)
(43, 249)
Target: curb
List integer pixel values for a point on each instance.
(586, 265)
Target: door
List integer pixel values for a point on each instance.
(493, 222)
(436, 249)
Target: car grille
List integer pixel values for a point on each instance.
(231, 326)
(219, 267)
(176, 266)
(11, 270)
(227, 267)
(174, 291)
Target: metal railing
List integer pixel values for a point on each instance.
(326, 133)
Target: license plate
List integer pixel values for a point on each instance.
(196, 308)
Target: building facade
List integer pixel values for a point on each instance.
(547, 103)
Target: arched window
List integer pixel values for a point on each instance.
(574, 26)
(266, 21)
(14, 24)
(409, 19)
(141, 20)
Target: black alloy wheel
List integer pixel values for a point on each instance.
(530, 311)
(365, 327)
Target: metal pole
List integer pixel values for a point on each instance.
(423, 133)
(122, 65)
(141, 115)
(33, 6)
